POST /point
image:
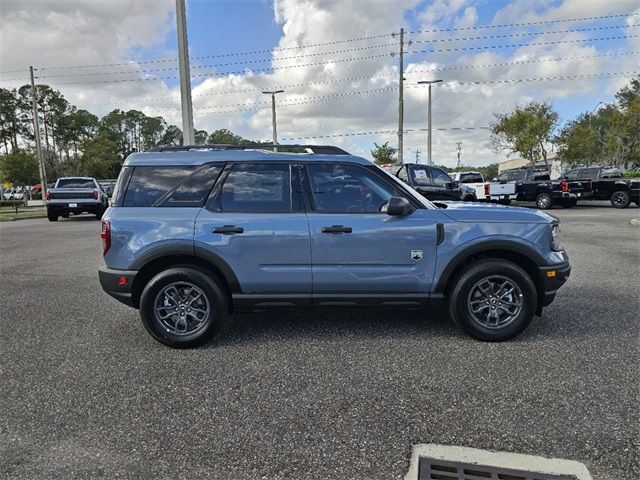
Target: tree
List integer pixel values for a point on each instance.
(224, 136)
(384, 154)
(19, 168)
(526, 131)
(200, 137)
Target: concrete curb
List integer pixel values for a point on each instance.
(22, 218)
(487, 458)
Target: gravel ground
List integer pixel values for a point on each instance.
(86, 393)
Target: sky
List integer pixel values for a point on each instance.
(337, 61)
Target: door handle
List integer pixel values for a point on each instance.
(336, 229)
(228, 230)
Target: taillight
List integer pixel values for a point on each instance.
(95, 194)
(564, 185)
(48, 195)
(105, 235)
(486, 189)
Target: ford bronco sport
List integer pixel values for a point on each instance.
(197, 233)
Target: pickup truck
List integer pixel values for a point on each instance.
(607, 183)
(535, 185)
(472, 180)
(433, 183)
(75, 195)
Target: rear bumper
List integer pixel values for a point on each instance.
(111, 284)
(554, 277)
(80, 204)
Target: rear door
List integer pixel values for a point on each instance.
(358, 251)
(255, 222)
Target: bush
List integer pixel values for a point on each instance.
(12, 203)
(631, 174)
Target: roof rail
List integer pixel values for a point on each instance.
(317, 149)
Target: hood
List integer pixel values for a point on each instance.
(491, 212)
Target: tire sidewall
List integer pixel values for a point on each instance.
(459, 297)
(548, 204)
(215, 296)
(626, 203)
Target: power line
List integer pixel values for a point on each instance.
(491, 47)
(526, 24)
(377, 132)
(521, 34)
(539, 79)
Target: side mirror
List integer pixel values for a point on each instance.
(399, 206)
(449, 185)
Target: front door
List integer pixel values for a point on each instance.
(257, 225)
(356, 247)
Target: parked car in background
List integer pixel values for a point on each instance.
(472, 180)
(607, 183)
(75, 195)
(431, 182)
(249, 220)
(535, 185)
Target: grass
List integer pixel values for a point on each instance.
(7, 214)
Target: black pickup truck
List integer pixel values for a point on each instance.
(535, 185)
(607, 183)
(431, 182)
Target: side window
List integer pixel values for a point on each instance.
(470, 178)
(571, 175)
(503, 177)
(402, 174)
(420, 176)
(440, 178)
(347, 188)
(588, 174)
(148, 184)
(193, 190)
(516, 175)
(541, 176)
(257, 188)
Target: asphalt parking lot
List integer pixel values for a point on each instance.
(86, 393)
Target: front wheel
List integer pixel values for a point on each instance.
(620, 199)
(493, 300)
(183, 307)
(544, 201)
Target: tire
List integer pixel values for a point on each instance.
(469, 198)
(544, 201)
(99, 213)
(65, 215)
(52, 216)
(505, 202)
(570, 203)
(620, 199)
(195, 332)
(464, 295)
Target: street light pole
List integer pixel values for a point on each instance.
(429, 82)
(273, 116)
(185, 75)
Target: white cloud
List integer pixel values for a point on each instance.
(84, 31)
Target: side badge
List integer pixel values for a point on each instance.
(416, 255)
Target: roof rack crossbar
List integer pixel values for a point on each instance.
(317, 149)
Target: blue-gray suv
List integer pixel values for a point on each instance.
(197, 233)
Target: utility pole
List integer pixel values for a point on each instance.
(36, 127)
(417, 155)
(429, 82)
(273, 116)
(401, 100)
(185, 75)
(459, 153)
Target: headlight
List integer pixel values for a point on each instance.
(556, 246)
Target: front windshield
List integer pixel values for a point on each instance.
(423, 201)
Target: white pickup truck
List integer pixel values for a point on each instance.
(472, 180)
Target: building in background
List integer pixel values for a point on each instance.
(556, 165)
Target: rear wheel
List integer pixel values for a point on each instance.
(570, 203)
(99, 213)
(183, 307)
(469, 198)
(493, 300)
(620, 199)
(52, 215)
(544, 201)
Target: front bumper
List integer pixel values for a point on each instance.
(109, 280)
(553, 277)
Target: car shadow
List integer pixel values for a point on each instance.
(332, 324)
